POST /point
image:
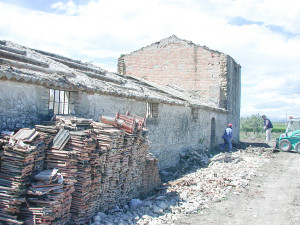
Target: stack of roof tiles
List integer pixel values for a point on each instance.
(48, 199)
(17, 163)
(84, 205)
(125, 163)
(72, 123)
(62, 158)
(102, 165)
(4, 138)
(150, 180)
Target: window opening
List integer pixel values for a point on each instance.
(152, 110)
(195, 113)
(59, 101)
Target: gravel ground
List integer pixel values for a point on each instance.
(272, 198)
(213, 194)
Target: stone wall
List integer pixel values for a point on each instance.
(22, 105)
(175, 129)
(94, 105)
(234, 95)
(171, 133)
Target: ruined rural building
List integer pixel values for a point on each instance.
(210, 75)
(188, 93)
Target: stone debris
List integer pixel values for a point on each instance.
(224, 173)
(66, 171)
(190, 159)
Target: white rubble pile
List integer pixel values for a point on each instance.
(190, 160)
(193, 192)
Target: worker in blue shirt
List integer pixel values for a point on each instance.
(227, 136)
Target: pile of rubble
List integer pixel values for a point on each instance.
(190, 160)
(225, 173)
(67, 170)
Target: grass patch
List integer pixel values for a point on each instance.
(279, 127)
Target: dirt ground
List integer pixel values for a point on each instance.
(273, 197)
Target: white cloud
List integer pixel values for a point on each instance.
(102, 30)
(70, 8)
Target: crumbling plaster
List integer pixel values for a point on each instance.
(172, 132)
(22, 105)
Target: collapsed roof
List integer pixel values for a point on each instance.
(22, 64)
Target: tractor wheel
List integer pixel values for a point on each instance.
(297, 147)
(285, 145)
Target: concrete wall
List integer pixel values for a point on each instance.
(22, 105)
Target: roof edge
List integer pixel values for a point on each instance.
(52, 84)
(173, 38)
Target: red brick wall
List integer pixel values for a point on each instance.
(186, 65)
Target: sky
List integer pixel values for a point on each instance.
(263, 36)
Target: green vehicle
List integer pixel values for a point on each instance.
(290, 140)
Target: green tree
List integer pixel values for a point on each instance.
(251, 123)
(244, 125)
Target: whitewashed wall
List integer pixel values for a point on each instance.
(24, 105)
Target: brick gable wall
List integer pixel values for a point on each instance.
(189, 66)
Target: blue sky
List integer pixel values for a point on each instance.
(261, 35)
(44, 5)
